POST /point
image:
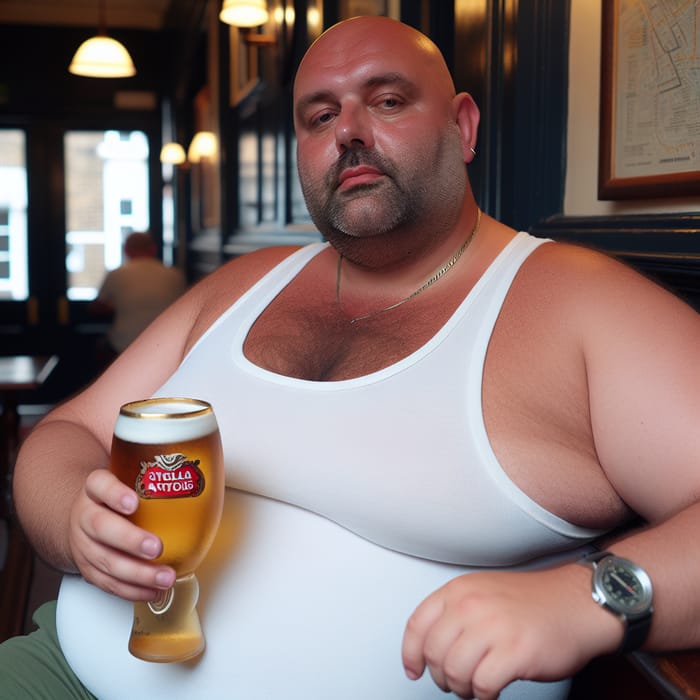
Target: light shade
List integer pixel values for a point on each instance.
(102, 57)
(204, 145)
(172, 153)
(244, 13)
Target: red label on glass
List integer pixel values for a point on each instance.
(170, 476)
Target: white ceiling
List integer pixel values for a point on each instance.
(133, 14)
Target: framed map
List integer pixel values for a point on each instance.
(650, 99)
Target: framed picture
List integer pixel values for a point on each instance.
(244, 67)
(649, 101)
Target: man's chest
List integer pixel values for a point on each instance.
(316, 341)
(533, 400)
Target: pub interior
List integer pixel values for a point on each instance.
(540, 72)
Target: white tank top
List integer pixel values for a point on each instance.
(349, 502)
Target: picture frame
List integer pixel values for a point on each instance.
(244, 72)
(649, 107)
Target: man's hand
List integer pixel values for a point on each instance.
(109, 550)
(481, 631)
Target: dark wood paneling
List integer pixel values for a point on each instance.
(513, 58)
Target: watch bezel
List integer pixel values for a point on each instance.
(644, 605)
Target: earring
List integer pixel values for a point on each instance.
(472, 150)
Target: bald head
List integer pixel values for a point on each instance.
(140, 245)
(381, 41)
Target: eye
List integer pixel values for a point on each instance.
(321, 119)
(388, 103)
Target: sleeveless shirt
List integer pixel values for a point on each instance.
(348, 502)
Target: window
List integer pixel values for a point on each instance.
(14, 281)
(106, 199)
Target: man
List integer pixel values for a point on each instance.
(136, 292)
(430, 395)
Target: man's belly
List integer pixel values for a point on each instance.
(292, 605)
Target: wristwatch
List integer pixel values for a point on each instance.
(623, 588)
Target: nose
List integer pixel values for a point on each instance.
(352, 128)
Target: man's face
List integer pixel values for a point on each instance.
(378, 147)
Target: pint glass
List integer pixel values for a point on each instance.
(169, 451)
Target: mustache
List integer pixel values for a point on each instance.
(354, 157)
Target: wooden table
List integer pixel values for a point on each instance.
(676, 674)
(17, 373)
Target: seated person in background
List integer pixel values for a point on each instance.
(135, 293)
(426, 419)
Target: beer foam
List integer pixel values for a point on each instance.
(156, 421)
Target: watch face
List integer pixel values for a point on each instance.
(624, 586)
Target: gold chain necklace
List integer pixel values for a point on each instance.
(444, 269)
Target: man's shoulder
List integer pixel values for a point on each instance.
(572, 266)
(250, 267)
(577, 281)
(212, 295)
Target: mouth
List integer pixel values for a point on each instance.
(357, 176)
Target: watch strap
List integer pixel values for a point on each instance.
(636, 632)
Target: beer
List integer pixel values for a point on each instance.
(169, 451)
(170, 505)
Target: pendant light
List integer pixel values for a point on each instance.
(172, 153)
(244, 13)
(102, 56)
(204, 145)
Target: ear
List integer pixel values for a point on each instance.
(466, 114)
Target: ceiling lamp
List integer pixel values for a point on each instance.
(101, 56)
(244, 13)
(203, 145)
(172, 153)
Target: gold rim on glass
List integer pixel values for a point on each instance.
(134, 409)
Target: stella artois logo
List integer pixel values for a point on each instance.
(170, 476)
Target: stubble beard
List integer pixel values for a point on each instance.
(423, 200)
(366, 210)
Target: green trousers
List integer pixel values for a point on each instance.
(33, 667)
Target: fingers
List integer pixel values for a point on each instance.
(435, 638)
(120, 576)
(417, 628)
(102, 524)
(109, 550)
(457, 667)
(482, 631)
(494, 672)
(105, 488)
